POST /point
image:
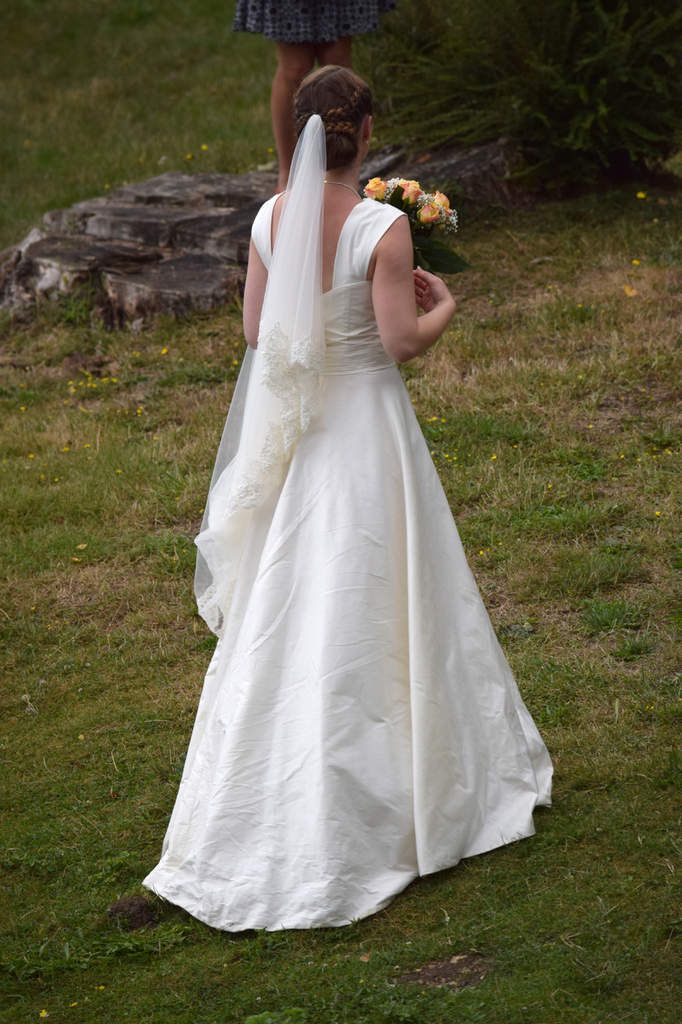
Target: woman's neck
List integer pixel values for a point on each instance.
(349, 175)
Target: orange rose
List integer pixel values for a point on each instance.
(375, 189)
(442, 200)
(411, 190)
(429, 213)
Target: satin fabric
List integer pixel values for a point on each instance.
(359, 724)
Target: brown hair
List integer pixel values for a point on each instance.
(342, 99)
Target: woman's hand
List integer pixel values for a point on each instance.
(395, 286)
(430, 291)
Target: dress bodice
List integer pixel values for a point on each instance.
(352, 337)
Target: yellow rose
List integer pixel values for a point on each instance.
(375, 189)
(411, 190)
(429, 213)
(442, 200)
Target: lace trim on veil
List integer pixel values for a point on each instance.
(282, 387)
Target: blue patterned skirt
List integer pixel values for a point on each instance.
(309, 21)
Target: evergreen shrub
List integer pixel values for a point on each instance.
(586, 88)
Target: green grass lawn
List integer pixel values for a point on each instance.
(551, 413)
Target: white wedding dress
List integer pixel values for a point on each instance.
(359, 724)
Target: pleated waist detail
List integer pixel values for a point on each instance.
(356, 357)
(352, 337)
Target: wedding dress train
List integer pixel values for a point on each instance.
(359, 724)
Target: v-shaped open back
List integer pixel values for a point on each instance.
(360, 232)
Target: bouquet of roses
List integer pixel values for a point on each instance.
(427, 213)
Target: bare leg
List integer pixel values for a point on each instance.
(294, 61)
(338, 52)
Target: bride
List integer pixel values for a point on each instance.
(359, 724)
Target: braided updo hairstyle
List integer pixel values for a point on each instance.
(342, 99)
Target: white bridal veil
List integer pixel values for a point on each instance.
(278, 389)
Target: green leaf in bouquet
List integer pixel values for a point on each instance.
(397, 198)
(434, 255)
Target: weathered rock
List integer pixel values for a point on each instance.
(176, 189)
(178, 242)
(224, 233)
(176, 286)
(479, 173)
(58, 264)
(381, 163)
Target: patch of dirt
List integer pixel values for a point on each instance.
(98, 365)
(133, 912)
(460, 971)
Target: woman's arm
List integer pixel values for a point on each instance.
(254, 291)
(395, 286)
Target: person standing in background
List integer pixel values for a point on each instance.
(304, 32)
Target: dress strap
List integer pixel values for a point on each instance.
(261, 229)
(370, 223)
